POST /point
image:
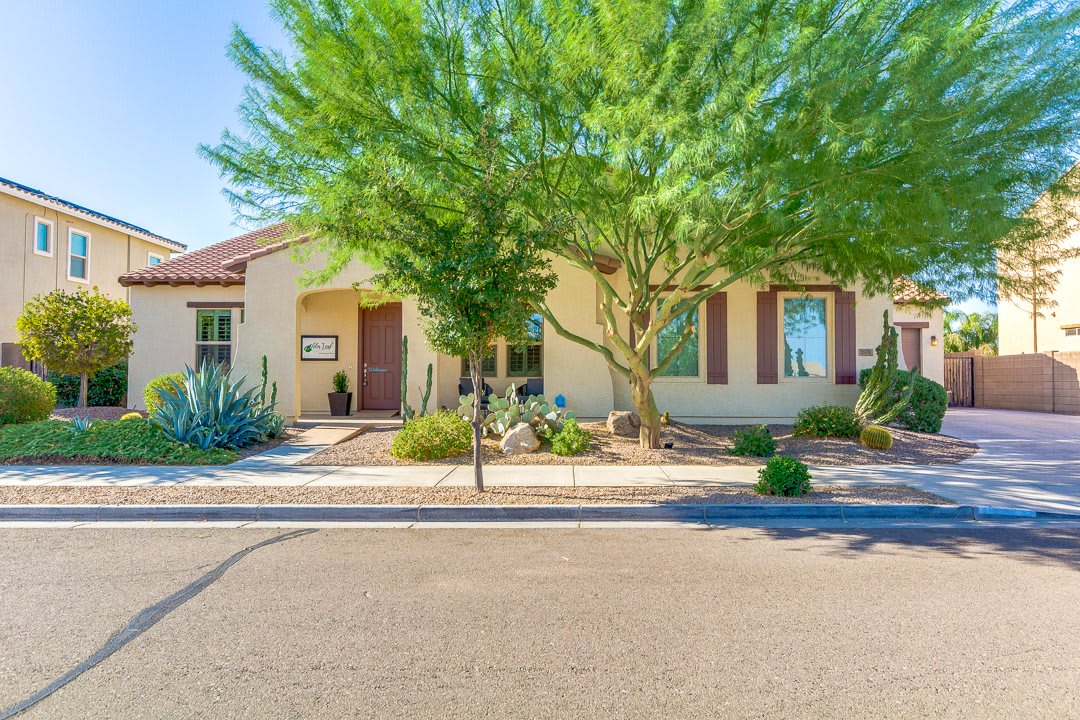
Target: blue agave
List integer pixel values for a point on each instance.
(79, 424)
(211, 410)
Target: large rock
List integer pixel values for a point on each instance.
(624, 423)
(519, 440)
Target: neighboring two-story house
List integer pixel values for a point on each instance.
(47, 243)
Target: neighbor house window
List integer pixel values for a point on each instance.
(78, 256)
(153, 259)
(213, 336)
(528, 360)
(806, 345)
(685, 363)
(1072, 332)
(489, 366)
(43, 237)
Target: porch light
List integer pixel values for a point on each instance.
(933, 341)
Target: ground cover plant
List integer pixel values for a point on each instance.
(24, 397)
(133, 441)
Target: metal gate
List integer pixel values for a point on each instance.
(960, 381)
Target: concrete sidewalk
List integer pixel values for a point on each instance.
(1026, 460)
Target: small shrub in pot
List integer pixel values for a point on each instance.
(784, 476)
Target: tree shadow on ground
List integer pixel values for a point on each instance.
(1058, 546)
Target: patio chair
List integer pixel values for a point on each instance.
(465, 386)
(532, 386)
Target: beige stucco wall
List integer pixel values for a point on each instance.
(24, 274)
(279, 311)
(933, 357)
(1015, 331)
(165, 341)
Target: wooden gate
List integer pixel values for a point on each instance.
(960, 381)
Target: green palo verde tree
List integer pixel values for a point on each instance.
(473, 265)
(76, 333)
(692, 143)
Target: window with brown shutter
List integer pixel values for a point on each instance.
(766, 339)
(845, 339)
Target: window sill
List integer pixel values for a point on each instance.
(83, 281)
(42, 254)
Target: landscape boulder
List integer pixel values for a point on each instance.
(623, 423)
(519, 440)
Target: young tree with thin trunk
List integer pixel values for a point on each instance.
(76, 333)
(693, 143)
(1029, 265)
(472, 264)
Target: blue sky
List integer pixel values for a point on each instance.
(109, 99)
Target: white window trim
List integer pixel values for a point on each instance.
(67, 271)
(830, 339)
(151, 255)
(52, 236)
(229, 342)
(702, 343)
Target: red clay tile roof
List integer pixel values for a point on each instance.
(906, 290)
(222, 263)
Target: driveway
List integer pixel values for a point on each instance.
(1025, 459)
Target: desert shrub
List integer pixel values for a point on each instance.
(439, 435)
(754, 441)
(571, 439)
(929, 401)
(24, 397)
(120, 441)
(106, 388)
(161, 385)
(784, 476)
(215, 411)
(876, 437)
(827, 421)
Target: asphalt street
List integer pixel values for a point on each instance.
(650, 623)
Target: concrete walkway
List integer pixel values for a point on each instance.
(1028, 460)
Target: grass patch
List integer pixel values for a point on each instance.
(132, 441)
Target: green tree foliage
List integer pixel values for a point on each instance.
(76, 333)
(1030, 263)
(696, 142)
(473, 265)
(106, 387)
(971, 331)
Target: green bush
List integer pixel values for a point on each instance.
(24, 397)
(106, 388)
(929, 401)
(827, 421)
(159, 385)
(434, 436)
(754, 441)
(133, 440)
(571, 439)
(783, 476)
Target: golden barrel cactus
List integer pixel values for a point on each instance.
(876, 437)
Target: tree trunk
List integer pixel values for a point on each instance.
(84, 385)
(476, 373)
(645, 406)
(1035, 331)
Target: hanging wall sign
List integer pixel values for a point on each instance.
(318, 347)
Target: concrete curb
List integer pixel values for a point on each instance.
(685, 514)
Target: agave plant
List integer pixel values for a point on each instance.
(79, 424)
(212, 410)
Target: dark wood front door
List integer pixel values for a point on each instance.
(380, 357)
(911, 343)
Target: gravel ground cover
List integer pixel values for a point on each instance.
(198, 495)
(692, 445)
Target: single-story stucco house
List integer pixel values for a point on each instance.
(240, 299)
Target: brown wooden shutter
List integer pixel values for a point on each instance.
(845, 339)
(766, 339)
(716, 338)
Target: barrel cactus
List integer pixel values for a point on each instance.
(876, 437)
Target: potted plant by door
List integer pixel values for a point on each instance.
(340, 398)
